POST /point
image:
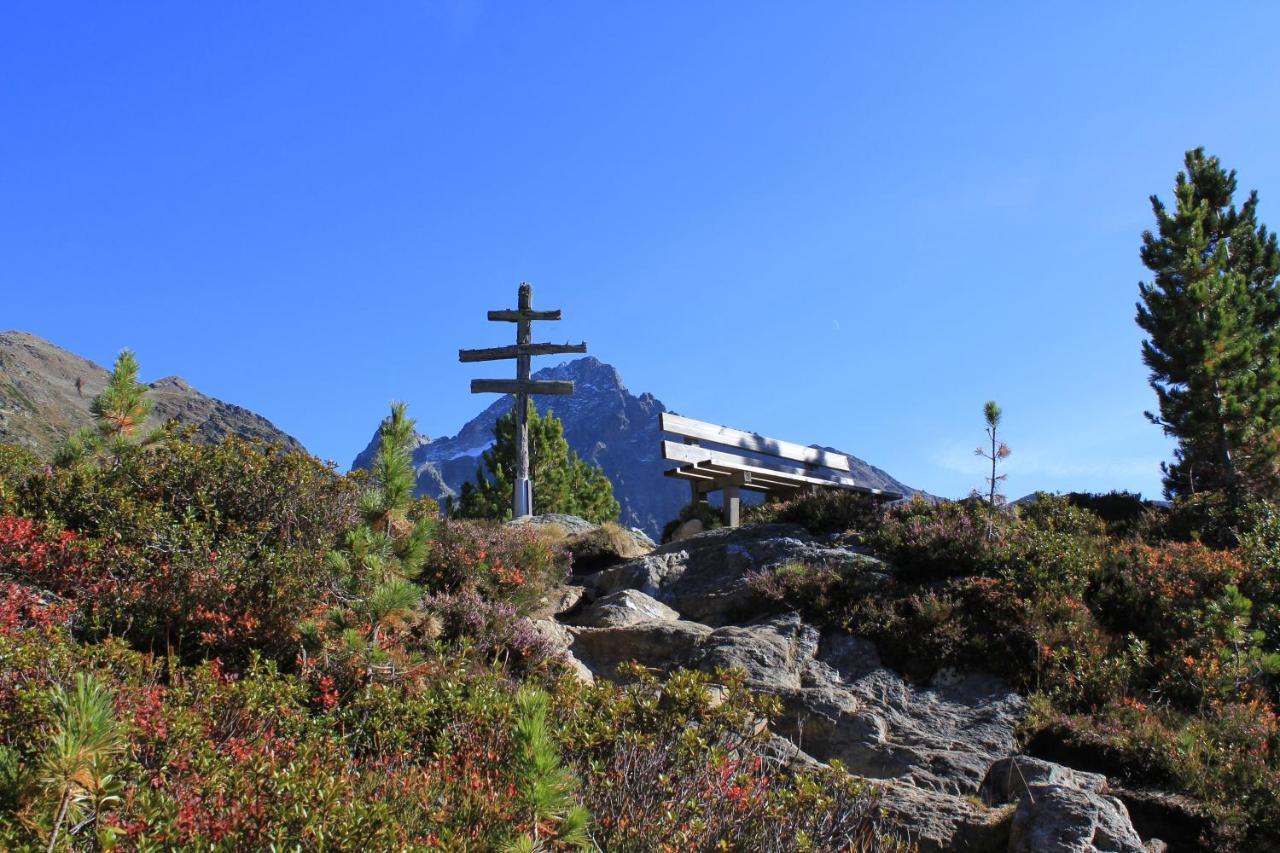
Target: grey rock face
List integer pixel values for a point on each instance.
(625, 607)
(659, 644)
(941, 739)
(605, 424)
(568, 525)
(935, 822)
(705, 576)
(931, 747)
(1007, 779)
(1063, 819)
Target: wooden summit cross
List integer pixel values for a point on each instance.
(522, 386)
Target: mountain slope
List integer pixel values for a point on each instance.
(40, 405)
(605, 424)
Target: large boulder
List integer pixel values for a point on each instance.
(663, 644)
(1008, 779)
(1065, 819)
(705, 576)
(624, 607)
(593, 546)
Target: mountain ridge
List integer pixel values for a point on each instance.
(41, 404)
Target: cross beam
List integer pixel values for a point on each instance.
(523, 385)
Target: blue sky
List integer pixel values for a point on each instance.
(833, 222)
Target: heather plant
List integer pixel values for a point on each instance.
(925, 540)
(514, 564)
(821, 511)
(678, 764)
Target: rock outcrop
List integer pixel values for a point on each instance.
(943, 752)
(704, 577)
(1066, 819)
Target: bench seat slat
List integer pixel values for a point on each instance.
(705, 461)
(752, 441)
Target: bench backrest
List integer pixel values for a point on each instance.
(812, 457)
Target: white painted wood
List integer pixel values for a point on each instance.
(752, 441)
(732, 506)
(730, 464)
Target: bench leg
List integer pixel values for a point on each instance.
(732, 506)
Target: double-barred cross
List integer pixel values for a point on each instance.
(522, 386)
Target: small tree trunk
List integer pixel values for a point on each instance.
(57, 824)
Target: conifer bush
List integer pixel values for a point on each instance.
(562, 481)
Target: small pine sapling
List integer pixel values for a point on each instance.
(84, 737)
(119, 413)
(997, 452)
(546, 786)
(381, 555)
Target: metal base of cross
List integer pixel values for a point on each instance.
(524, 497)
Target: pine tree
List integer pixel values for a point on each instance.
(119, 413)
(380, 556)
(562, 481)
(546, 787)
(1212, 314)
(84, 738)
(999, 451)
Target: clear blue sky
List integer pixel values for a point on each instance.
(832, 222)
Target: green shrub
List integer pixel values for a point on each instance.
(822, 511)
(198, 549)
(1121, 512)
(442, 759)
(17, 464)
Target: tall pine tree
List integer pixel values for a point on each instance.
(562, 481)
(1212, 314)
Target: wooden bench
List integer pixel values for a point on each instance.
(773, 466)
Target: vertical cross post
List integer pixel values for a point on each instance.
(523, 385)
(523, 502)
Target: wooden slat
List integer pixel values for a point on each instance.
(510, 316)
(719, 479)
(515, 386)
(752, 441)
(732, 462)
(496, 353)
